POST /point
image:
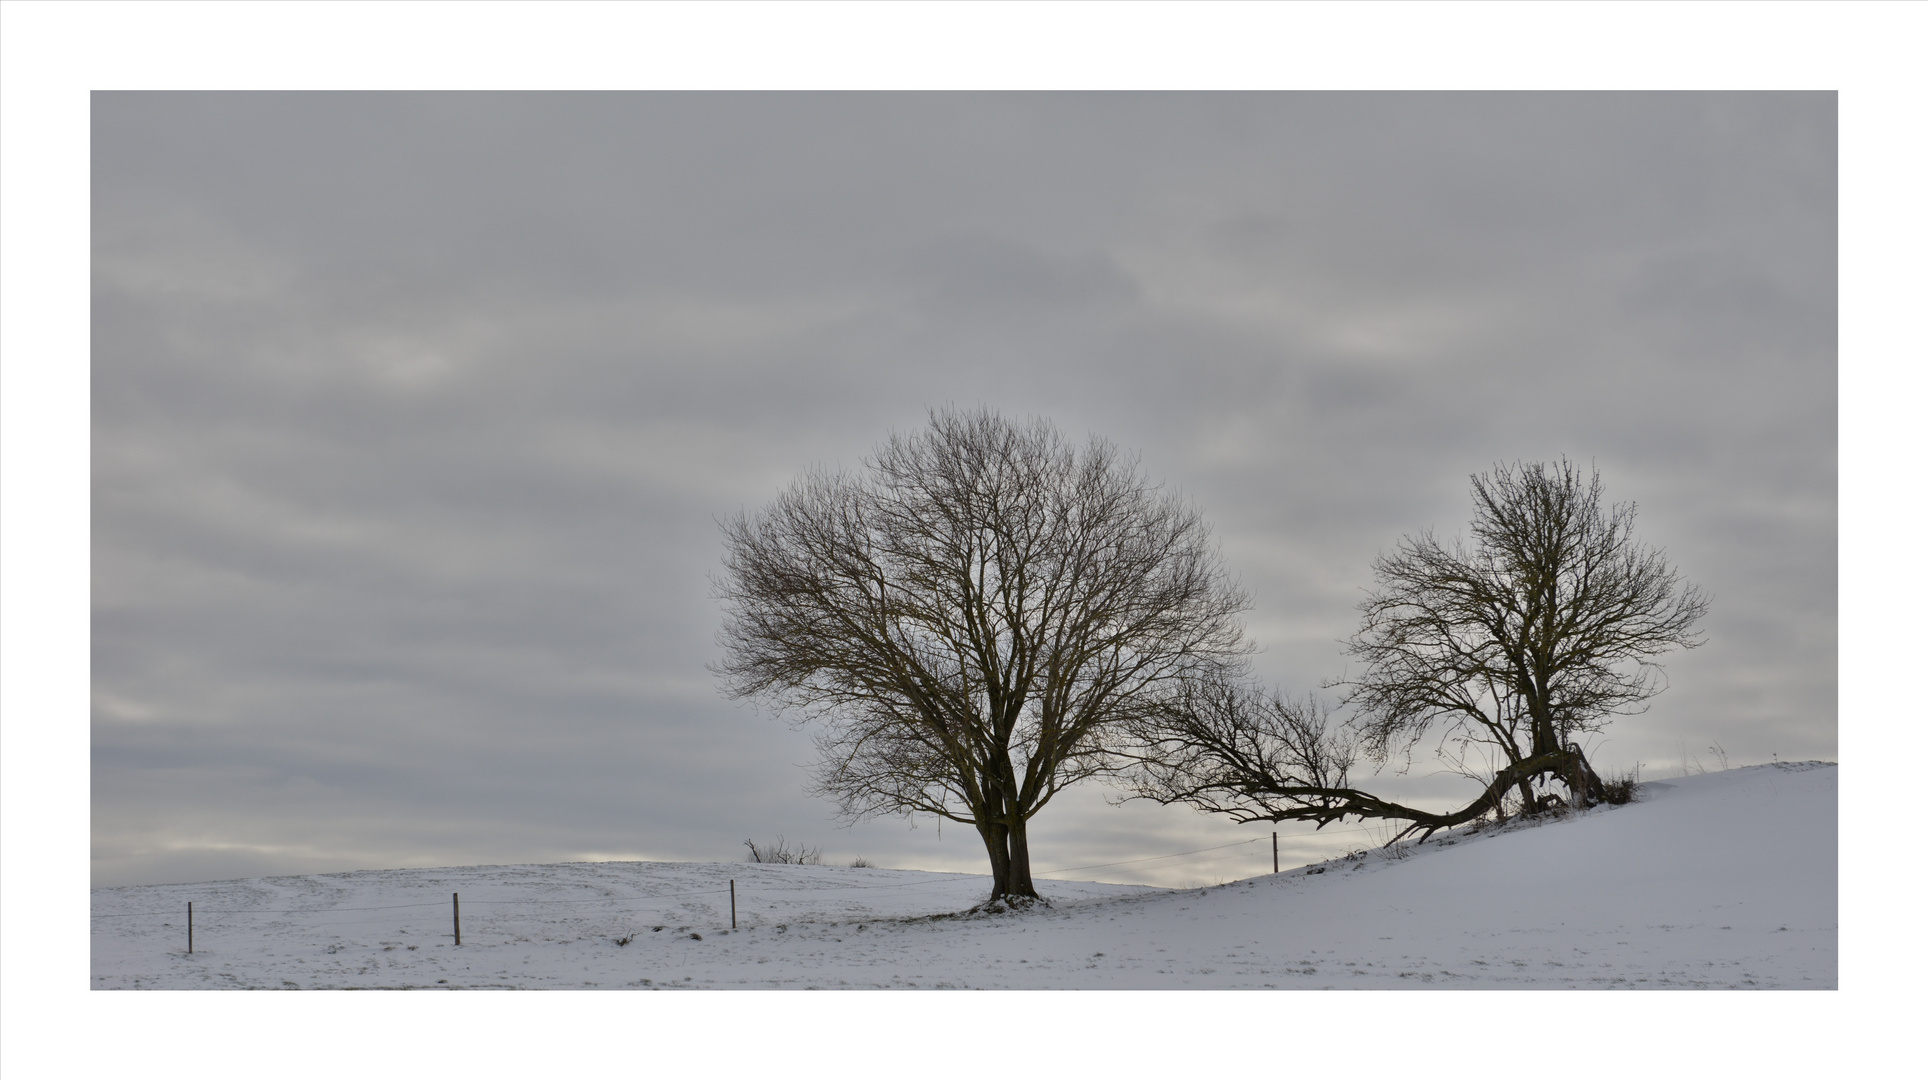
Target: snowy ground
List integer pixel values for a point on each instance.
(1726, 880)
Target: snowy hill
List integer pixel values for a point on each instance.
(1721, 880)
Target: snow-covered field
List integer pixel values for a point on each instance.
(1725, 880)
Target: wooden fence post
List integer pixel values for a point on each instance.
(732, 903)
(190, 928)
(1275, 853)
(458, 917)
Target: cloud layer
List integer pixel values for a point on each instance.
(414, 415)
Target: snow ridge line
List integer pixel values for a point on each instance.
(395, 907)
(530, 902)
(709, 891)
(656, 896)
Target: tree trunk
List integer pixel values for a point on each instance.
(1324, 805)
(1020, 876)
(1584, 785)
(1010, 853)
(997, 846)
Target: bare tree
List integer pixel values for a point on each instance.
(780, 852)
(971, 621)
(1539, 630)
(1228, 746)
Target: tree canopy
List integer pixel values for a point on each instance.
(1539, 629)
(973, 621)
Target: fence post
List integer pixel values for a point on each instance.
(458, 917)
(190, 928)
(1275, 853)
(732, 903)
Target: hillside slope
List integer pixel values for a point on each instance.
(1721, 880)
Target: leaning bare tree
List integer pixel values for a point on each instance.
(971, 620)
(1541, 629)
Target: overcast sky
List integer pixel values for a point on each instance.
(414, 415)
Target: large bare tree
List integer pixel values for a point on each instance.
(971, 618)
(1540, 629)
